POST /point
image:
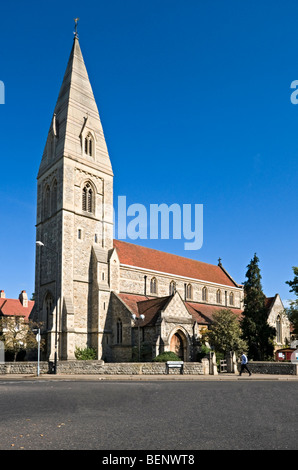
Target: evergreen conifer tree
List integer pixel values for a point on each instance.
(292, 310)
(256, 331)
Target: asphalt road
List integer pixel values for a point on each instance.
(131, 415)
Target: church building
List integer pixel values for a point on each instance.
(126, 301)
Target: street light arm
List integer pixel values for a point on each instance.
(39, 243)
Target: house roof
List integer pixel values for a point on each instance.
(269, 301)
(152, 306)
(148, 306)
(14, 307)
(204, 313)
(154, 260)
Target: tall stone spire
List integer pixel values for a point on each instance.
(75, 115)
(74, 221)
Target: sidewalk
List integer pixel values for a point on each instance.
(148, 378)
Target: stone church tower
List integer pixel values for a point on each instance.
(74, 228)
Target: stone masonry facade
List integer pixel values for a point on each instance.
(126, 302)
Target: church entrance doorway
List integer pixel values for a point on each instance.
(177, 345)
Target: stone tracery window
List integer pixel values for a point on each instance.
(204, 294)
(87, 198)
(218, 296)
(231, 298)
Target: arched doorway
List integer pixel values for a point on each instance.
(177, 345)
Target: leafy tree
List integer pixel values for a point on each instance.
(202, 352)
(294, 284)
(292, 311)
(17, 335)
(256, 331)
(225, 333)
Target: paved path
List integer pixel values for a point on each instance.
(143, 377)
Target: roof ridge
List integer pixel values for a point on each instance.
(167, 253)
(147, 258)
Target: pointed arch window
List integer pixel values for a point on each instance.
(89, 145)
(153, 286)
(172, 289)
(87, 198)
(218, 296)
(48, 304)
(47, 202)
(278, 329)
(54, 197)
(204, 294)
(119, 331)
(189, 291)
(231, 298)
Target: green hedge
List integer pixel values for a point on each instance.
(86, 354)
(166, 356)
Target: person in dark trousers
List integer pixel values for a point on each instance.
(244, 362)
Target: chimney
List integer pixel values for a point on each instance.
(23, 298)
(2, 294)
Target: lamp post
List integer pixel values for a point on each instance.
(39, 243)
(138, 320)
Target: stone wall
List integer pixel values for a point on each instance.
(135, 368)
(284, 368)
(101, 368)
(126, 368)
(23, 368)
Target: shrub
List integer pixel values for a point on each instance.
(86, 354)
(166, 356)
(204, 350)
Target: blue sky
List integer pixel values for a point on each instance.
(194, 98)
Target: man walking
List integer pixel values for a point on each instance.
(244, 362)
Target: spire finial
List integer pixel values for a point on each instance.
(76, 27)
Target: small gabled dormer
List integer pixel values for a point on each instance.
(88, 140)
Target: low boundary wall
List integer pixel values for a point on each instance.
(278, 368)
(101, 368)
(135, 368)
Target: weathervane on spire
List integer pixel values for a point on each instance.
(76, 27)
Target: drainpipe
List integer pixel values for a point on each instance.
(145, 285)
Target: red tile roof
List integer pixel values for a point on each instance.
(148, 306)
(206, 311)
(13, 307)
(151, 307)
(147, 258)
